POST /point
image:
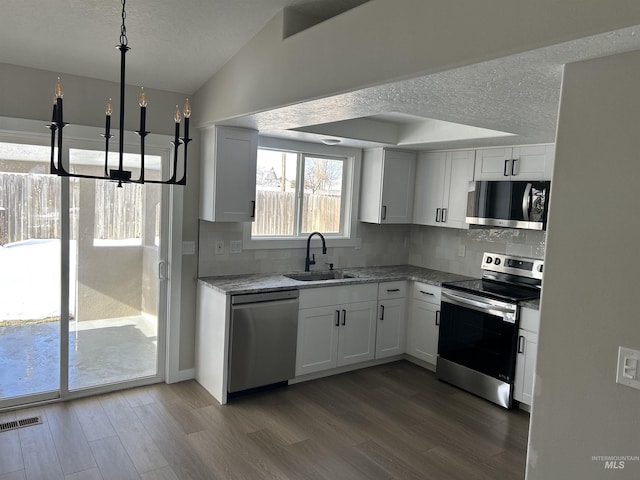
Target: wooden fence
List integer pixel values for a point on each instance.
(30, 208)
(275, 213)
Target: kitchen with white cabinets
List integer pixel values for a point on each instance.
(409, 202)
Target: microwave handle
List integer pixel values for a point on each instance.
(526, 202)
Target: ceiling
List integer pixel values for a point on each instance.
(178, 45)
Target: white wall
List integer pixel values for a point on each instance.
(385, 40)
(590, 298)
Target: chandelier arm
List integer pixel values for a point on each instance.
(52, 166)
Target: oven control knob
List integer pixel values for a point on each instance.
(497, 262)
(489, 259)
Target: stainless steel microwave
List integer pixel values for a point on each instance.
(518, 204)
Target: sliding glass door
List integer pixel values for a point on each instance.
(116, 251)
(30, 292)
(82, 289)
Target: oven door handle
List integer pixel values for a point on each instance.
(508, 314)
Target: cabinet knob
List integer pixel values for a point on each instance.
(381, 312)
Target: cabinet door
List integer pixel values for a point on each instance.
(429, 188)
(460, 168)
(534, 162)
(525, 366)
(317, 339)
(422, 332)
(397, 187)
(228, 174)
(390, 333)
(357, 333)
(493, 164)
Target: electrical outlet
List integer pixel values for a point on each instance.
(219, 247)
(235, 246)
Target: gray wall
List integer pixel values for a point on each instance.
(589, 303)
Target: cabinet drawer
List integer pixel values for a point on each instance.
(322, 296)
(389, 290)
(426, 292)
(529, 319)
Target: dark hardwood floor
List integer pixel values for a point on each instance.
(394, 421)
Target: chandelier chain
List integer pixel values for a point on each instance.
(123, 29)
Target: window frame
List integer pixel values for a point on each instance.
(350, 194)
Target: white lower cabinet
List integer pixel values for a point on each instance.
(336, 327)
(423, 326)
(392, 312)
(527, 355)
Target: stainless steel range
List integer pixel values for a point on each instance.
(479, 323)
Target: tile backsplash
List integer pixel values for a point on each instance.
(381, 245)
(447, 249)
(460, 251)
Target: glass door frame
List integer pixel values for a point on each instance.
(29, 132)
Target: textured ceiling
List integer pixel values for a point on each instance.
(517, 95)
(176, 45)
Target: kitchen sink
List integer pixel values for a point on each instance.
(318, 276)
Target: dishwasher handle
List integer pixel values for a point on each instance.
(264, 297)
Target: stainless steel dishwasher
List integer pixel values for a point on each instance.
(264, 331)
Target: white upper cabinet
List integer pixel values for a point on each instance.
(532, 162)
(442, 182)
(228, 174)
(386, 193)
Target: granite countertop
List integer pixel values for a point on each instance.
(266, 282)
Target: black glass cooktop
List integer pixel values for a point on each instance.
(494, 289)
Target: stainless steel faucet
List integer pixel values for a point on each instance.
(312, 260)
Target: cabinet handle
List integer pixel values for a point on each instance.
(521, 344)
(337, 318)
(426, 293)
(393, 289)
(344, 317)
(438, 212)
(437, 317)
(505, 172)
(384, 212)
(513, 167)
(381, 312)
(253, 209)
(444, 215)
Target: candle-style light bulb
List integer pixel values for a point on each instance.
(59, 92)
(142, 99)
(109, 108)
(178, 116)
(186, 111)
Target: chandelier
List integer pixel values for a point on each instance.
(120, 175)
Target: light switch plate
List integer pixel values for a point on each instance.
(219, 247)
(628, 367)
